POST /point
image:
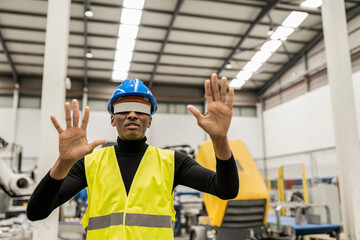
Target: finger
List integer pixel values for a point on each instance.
(67, 115)
(85, 119)
(231, 98)
(208, 94)
(214, 86)
(223, 90)
(56, 124)
(96, 143)
(75, 113)
(195, 112)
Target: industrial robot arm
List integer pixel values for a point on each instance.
(14, 184)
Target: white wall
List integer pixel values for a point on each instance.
(302, 129)
(248, 129)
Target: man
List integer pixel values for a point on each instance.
(130, 185)
(80, 198)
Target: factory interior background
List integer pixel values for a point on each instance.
(283, 109)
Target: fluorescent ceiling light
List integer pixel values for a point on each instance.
(311, 3)
(137, 4)
(121, 66)
(122, 55)
(125, 44)
(237, 83)
(252, 66)
(261, 56)
(282, 33)
(294, 19)
(130, 16)
(271, 46)
(244, 75)
(119, 76)
(128, 31)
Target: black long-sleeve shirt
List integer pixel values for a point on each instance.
(51, 193)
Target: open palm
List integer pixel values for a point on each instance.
(73, 144)
(216, 121)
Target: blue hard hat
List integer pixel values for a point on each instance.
(132, 87)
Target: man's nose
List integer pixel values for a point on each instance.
(132, 115)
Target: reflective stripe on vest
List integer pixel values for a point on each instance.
(131, 219)
(105, 221)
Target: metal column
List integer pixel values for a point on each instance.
(52, 101)
(260, 115)
(343, 107)
(84, 99)
(15, 112)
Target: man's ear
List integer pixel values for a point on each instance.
(112, 119)
(149, 122)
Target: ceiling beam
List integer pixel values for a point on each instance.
(27, 64)
(227, 19)
(176, 12)
(148, 26)
(350, 14)
(141, 62)
(86, 48)
(10, 61)
(263, 13)
(138, 39)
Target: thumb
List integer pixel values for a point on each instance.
(195, 112)
(96, 143)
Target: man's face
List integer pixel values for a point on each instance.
(131, 125)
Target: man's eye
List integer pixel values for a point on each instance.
(122, 113)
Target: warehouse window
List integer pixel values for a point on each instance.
(97, 105)
(171, 108)
(247, 111)
(180, 108)
(162, 108)
(6, 101)
(177, 108)
(236, 111)
(29, 102)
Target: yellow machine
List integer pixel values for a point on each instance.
(249, 209)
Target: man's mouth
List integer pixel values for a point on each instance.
(132, 125)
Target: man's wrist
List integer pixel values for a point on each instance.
(60, 170)
(222, 148)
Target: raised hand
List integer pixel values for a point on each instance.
(216, 121)
(73, 144)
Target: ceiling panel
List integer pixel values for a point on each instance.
(202, 38)
(195, 50)
(24, 5)
(213, 63)
(27, 59)
(156, 19)
(218, 9)
(151, 33)
(179, 80)
(22, 20)
(181, 70)
(212, 25)
(148, 46)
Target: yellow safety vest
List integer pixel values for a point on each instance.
(146, 213)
